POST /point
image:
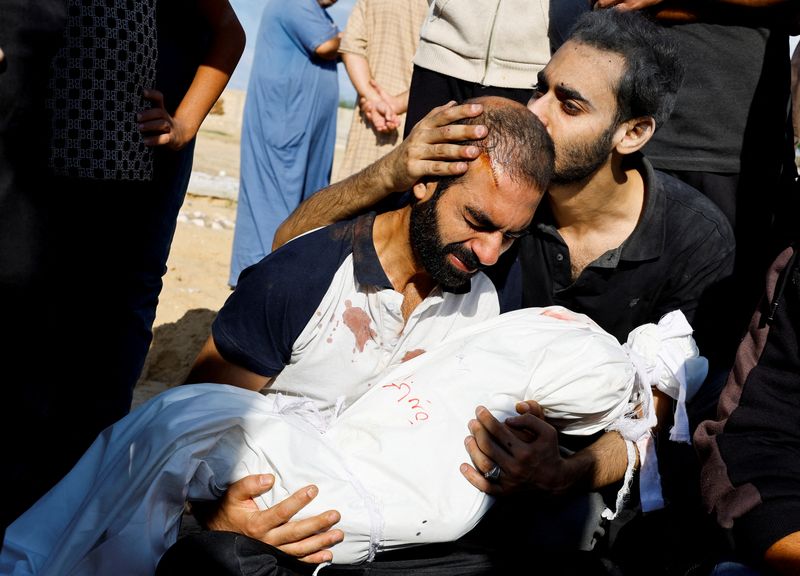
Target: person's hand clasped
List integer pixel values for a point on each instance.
(519, 454)
(381, 111)
(379, 114)
(158, 127)
(307, 539)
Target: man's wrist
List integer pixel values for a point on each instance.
(573, 473)
(386, 171)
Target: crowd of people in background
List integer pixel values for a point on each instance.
(657, 174)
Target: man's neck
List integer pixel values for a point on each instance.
(598, 214)
(612, 194)
(390, 234)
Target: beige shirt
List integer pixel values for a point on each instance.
(386, 33)
(499, 43)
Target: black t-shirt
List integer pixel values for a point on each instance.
(681, 246)
(730, 115)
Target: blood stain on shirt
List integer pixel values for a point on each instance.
(412, 354)
(358, 322)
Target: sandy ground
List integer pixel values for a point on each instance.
(195, 285)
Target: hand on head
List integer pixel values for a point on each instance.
(307, 539)
(432, 148)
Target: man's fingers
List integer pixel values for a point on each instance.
(443, 151)
(285, 510)
(435, 168)
(478, 480)
(299, 530)
(452, 133)
(493, 431)
(250, 486)
(529, 423)
(151, 114)
(159, 125)
(318, 557)
(157, 140)
(313, 544)
(527, 427)
(482, 460)
(530, 407)
(449, 113)
(154, 96)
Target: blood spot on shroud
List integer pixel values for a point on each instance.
(412, 354)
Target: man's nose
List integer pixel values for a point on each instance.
(488, 247)
(539, 107)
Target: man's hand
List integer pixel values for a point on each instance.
(430, 148)
(307, 539)
(525, 448)
(158, 127)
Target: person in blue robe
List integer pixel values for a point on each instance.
(289, 126)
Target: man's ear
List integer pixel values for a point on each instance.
(638, 132)
(424, 190)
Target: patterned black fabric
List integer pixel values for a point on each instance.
(96, 90)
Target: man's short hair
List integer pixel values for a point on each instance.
(653, 69)
(517, 144)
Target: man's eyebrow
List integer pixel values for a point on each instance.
(562, 92)
(566, 93)
(483, 221)
(481, 218)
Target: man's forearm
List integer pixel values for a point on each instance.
(338, 201)
(432, 149)
(599, 464)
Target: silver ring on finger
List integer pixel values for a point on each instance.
(493, 475)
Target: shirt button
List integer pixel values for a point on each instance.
(559, 257)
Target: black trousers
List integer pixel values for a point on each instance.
(524, 534)
(229, 554)
(431, 89)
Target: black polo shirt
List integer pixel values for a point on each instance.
(674, 259)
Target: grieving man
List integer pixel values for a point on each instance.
(615, 239)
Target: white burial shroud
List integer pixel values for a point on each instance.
(389, 462)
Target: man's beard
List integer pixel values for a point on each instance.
(431, 252)
(577, 162)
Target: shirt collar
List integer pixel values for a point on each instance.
(367, 265)
(647, 240)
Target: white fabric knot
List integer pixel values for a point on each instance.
(306, 409)
(666, 357)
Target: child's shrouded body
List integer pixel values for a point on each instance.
(389, 462)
